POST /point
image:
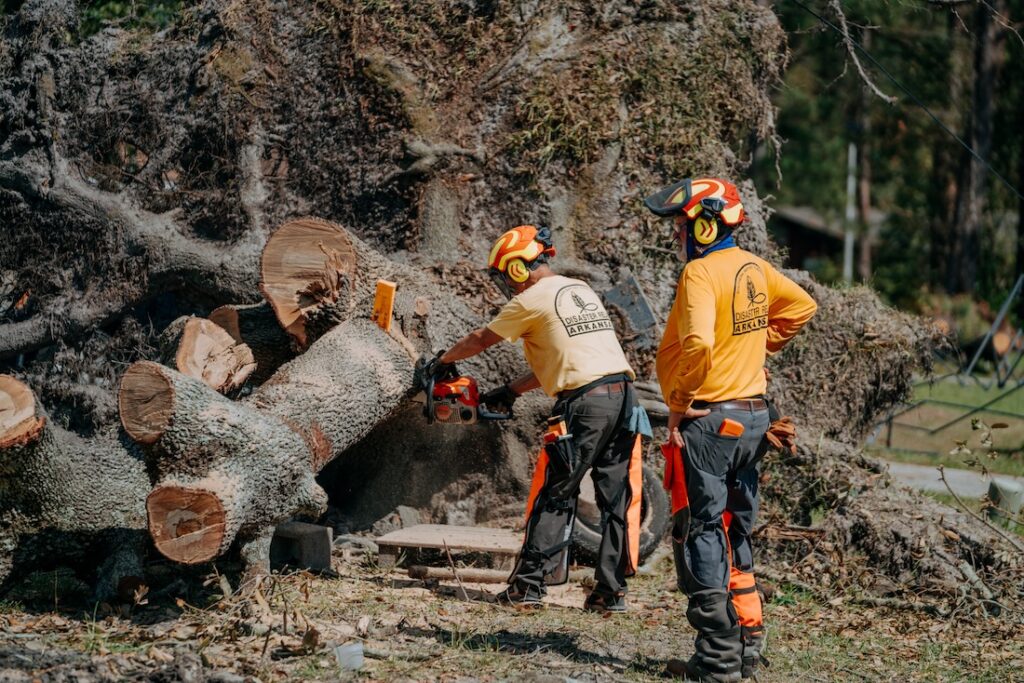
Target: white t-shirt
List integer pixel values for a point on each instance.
(568, 338)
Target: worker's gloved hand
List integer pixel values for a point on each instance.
(781, 434)
(432, 368)
(500, 399)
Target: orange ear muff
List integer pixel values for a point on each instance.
(517, 271)
(705, 230)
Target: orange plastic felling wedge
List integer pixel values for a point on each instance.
(384, 304)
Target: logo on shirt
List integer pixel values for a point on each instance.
(749, 300)
(580, 311)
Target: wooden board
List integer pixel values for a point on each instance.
(458, 538)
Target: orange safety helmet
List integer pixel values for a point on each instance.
(516, 253)
(710, 207)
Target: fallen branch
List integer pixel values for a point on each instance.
(852, 51)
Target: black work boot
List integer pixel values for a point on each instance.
(520, 597)
(692, 671)
(604, 601)
(753, 644)
(718, 648)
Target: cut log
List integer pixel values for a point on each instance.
(19, 424)
(315, 274)
(307, 264)
(256, 326)
(202, 349)
(65, 501)
(230, 470)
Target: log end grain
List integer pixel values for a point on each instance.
(226, 317)
(145, 402)
(307, 263)
(18, 422)
(210, 354)
(187, 525)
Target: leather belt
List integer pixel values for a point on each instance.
(599, 390)
(750, 404)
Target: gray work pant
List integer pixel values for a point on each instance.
(721, 475)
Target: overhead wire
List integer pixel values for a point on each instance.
(914, 98)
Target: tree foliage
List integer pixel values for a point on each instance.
(929, 47)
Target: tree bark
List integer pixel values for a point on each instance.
(867, 237)
(943, 186)
(973, 185)
(1020, 209)
(65, 501)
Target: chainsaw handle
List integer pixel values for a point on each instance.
(483, 414)
(428, 406)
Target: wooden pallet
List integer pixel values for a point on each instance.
(457, 538)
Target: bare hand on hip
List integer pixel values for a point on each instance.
(676, 418)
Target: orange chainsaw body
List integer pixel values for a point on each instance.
(456, 401)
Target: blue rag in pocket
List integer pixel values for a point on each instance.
(639, 423)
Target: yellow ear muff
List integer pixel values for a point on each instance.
(705, 230)
(517, 271)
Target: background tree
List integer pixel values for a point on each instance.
(947, 228)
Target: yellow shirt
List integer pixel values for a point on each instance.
(732, 309)
(568, 338)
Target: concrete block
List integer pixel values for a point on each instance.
(301, 545)
(1008, 496)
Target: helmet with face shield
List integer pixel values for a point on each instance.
(706, 210)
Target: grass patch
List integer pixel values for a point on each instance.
(929, 432)
(972, 394)
(972, 504)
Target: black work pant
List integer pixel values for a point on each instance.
(601, 441)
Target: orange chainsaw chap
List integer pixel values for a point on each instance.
(540, 475)
(636, 483)
(633, 512)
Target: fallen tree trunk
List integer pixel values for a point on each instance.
(228, 470)
(233, 470)
(66, 501)
(203, 350)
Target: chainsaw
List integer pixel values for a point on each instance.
(452, 398)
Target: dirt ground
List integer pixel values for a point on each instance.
(412, 631)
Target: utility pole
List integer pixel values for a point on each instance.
(851, 211)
